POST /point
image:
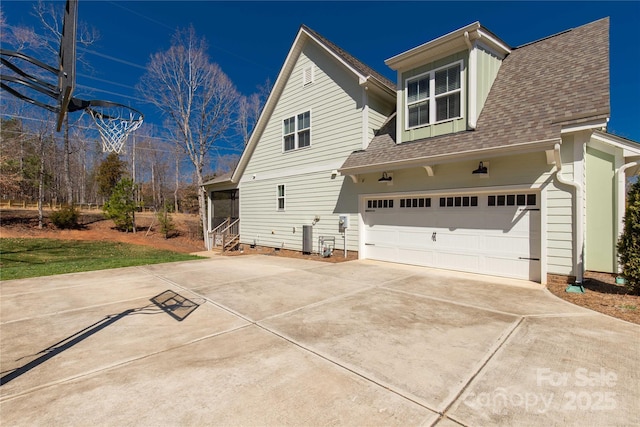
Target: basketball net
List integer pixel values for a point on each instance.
(115, 126)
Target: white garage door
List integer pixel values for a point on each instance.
(496, 234)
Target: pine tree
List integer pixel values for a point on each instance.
(121, 205)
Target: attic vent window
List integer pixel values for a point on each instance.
(307, 75)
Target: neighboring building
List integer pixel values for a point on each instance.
(483, 158)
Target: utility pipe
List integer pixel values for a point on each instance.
(579, 210)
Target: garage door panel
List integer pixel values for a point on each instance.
(416, 257)
(490, 239)
(508, 244)
(383, 253)
(414, 237)
(382, 234)
(509, 267)
(457, 261)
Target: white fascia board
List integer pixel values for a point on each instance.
(579, 127)
(404, 58)
(269, 105)
(491, 42)
(361, 77)
(629, 148)
(523, 148)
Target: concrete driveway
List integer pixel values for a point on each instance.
(259, 340)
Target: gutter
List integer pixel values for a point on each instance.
(579, 209)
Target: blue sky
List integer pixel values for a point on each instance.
(250, 40)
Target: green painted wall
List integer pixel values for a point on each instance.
(440, 128)
(600, 186)
(488, 66)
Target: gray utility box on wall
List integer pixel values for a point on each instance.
(307, 239)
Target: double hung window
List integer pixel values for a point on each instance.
(280, 197)
(297, 131)
(434, 96)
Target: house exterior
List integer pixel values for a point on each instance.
(482, 157)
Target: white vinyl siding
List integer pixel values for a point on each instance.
(296, 131)
(280, 197)
(307, 195)
(336, 117)
(334, 101)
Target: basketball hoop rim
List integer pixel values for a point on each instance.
(108, 104)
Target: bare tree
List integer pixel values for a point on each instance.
(50, 15)
(249, 108)
(197, 99)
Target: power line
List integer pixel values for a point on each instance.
(172, 141)
(112, 58)
(111, 93)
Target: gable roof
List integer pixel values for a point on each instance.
(366, 76)
(558, 81)
(364, 69)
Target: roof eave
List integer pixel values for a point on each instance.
(447, 44)
(522, 148)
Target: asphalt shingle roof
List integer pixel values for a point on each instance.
(352, 60)
(562, 79)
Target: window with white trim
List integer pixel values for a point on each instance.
(296, 131)
(280, 197)
(435, 96)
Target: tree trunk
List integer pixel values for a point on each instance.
(67, 163)
(41, 184)
(175, 192)
(202, 202)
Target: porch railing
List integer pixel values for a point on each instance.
(226, 235)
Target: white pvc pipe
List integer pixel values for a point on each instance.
(579, 210)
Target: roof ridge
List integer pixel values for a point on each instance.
(559, 33)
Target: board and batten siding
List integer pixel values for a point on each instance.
(335, 100)
(442, 128)
(601, 220)
(488, 67)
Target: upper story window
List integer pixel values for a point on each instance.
(434, 96)
(297, 131)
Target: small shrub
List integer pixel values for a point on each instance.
(166, 222)
(66, 217)
(629, 242)
(121, 205)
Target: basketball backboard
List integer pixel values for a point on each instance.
(67, 72)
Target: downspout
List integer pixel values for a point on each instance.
(579, 209)
(620, 173)
(473, 86)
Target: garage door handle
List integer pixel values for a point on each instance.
(433, 236)
(369, 244)
(530, 259)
